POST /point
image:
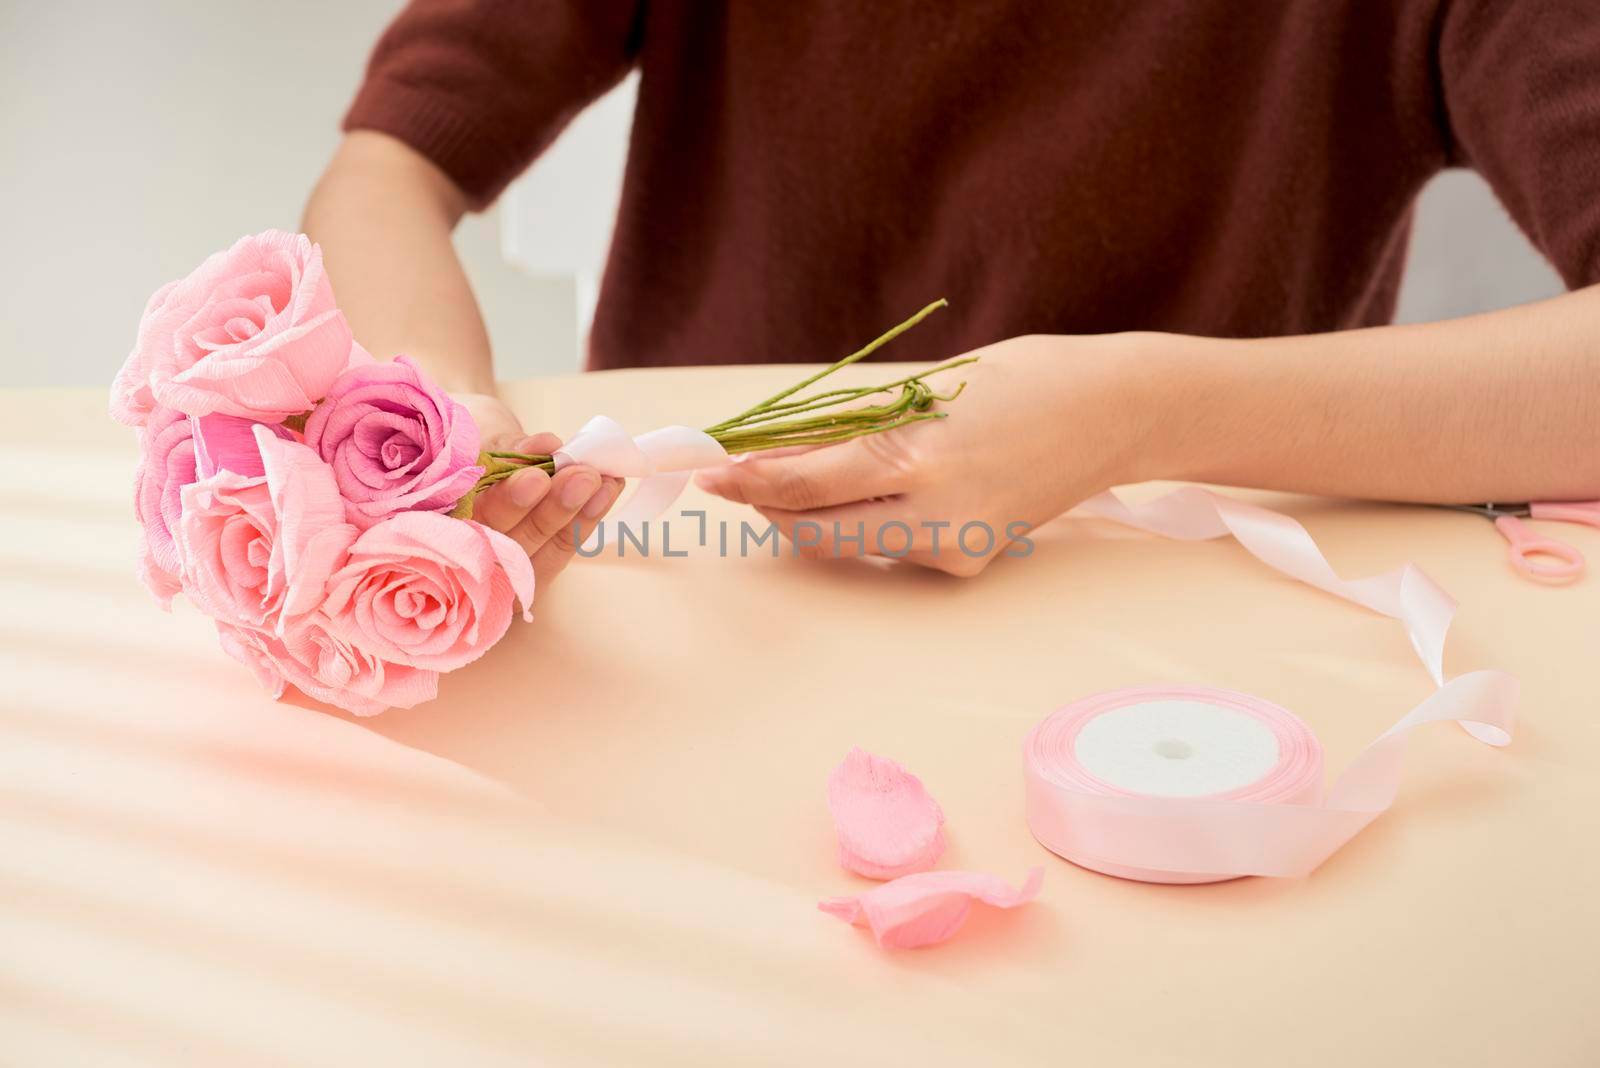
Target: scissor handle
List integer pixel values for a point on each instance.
(1528, 549)
(1587, 512)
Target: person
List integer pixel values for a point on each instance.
(1173, 230)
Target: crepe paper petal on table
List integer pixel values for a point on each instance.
(930, 906)
(888, 825)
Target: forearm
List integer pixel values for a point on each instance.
(1503, 406)
(383, 215)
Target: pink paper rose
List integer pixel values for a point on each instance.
(258, 551)
(166, 465)
(252, 332)
(428, 591)
(395, 441)
(176, 450)
(327, 668)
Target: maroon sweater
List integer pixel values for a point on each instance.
(802, 175)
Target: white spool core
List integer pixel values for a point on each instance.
(1176, 748)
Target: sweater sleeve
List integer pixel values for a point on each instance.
(481, 87)
(1521, 85)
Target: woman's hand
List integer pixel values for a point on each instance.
(536, 510)
(1044, 422)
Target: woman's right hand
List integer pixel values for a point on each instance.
(535, 510)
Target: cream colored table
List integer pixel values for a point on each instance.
(604, 843)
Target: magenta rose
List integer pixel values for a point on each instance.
(327, 668)
(395, 441)
(166, 465)
(257, 551)
(252, 332)
(427, 591)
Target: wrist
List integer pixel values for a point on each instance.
(1147, 388)
(1173, 390)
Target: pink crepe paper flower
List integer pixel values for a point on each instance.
(258, 551)
(326, 668)
(928, 907)
(428, 591)
(228, 443)
(887, 823)
(252, 332)
(166, 465)
(396, 442)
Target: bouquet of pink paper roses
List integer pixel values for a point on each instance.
(316, 503)
(293, 487)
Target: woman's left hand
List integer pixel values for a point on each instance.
(1044, 422)
(543, 515)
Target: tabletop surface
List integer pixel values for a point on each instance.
(604, 843)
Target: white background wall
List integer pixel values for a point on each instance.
(137, 137)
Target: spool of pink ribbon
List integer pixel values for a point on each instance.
(1187, 784)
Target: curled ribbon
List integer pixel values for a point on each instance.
(663, 460)
(1199, 839)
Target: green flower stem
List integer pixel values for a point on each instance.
(831, 437)
(910, 400)
(848, 393)
(860, 354)
(840, 396)
(772, 424)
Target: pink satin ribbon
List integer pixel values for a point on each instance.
(663, 460)
(1281, 826)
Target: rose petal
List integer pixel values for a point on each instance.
(228, 443)
(268, 377)
(928, 907)
(221, 517)
(313, 539)
(166, 465)
(325, 668)
(132, 403)
(514, 561)
(888, 825)
(359, 357)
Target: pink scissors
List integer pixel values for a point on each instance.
(1536, 556)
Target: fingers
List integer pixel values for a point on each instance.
(558, 550)
(505, 505)
(533, 508)
(817, 478)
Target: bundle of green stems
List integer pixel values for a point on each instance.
(779, 422)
